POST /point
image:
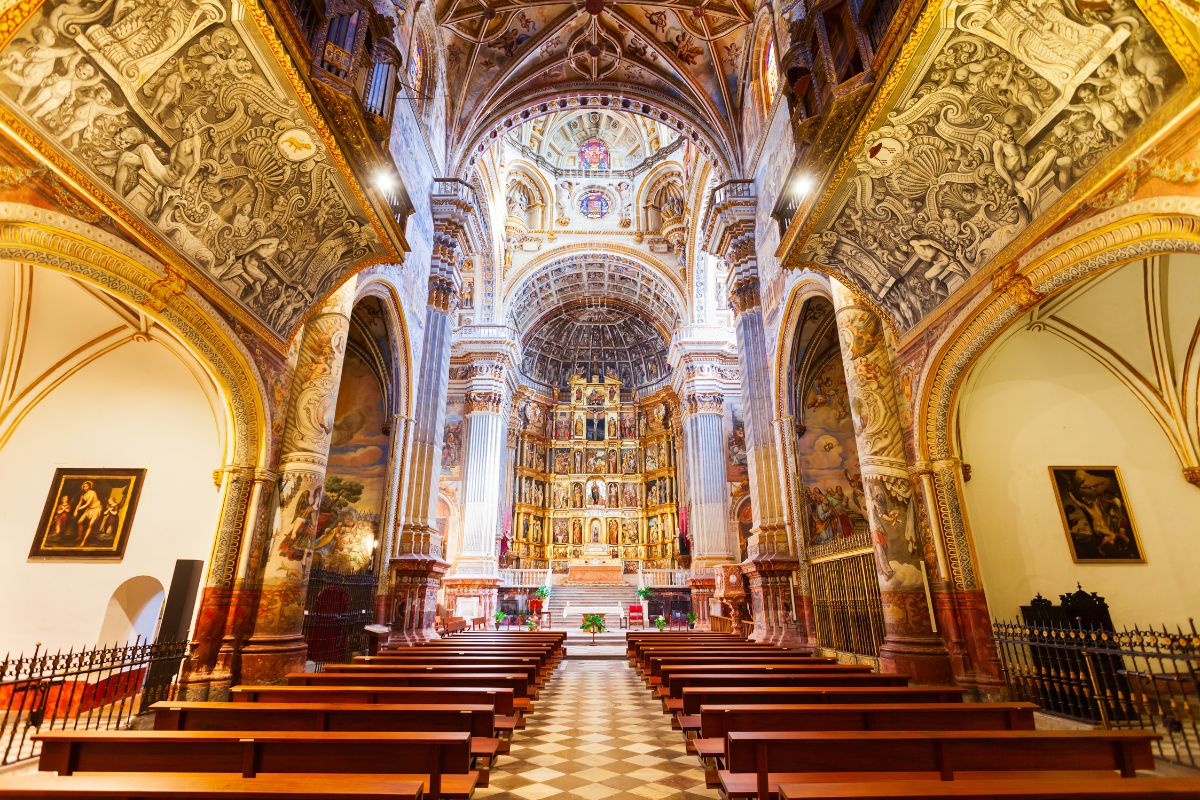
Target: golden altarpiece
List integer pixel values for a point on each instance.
(595, 480)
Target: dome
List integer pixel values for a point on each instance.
(594, 340)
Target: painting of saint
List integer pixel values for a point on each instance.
(577, 495)
(629, 531)
(630, 459)
(578, 461)
(595, 493)
(88, 514)
(562, 461)
(612, 461)
(576, 531)
(628, 425)
(614, 499)
(612, 427)
(452, 445)
(562, 425)
(560, 531)
(613, 533)
(595, 533)
(1096, 514)
(629, 497)
(578, 426)
(651, 459)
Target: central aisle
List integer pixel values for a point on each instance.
(597, 734)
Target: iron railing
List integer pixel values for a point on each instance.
(1134, 678)
(338, 608)
(86, 689)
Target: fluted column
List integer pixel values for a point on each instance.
(277, 645)
(708, 489)
(910, 645)
(416, 566)
(485, 438)
(770, 560)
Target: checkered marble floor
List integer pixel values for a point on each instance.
(597, 733)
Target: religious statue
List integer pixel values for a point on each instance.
(612, 460)
(579, 426)
(578, 461)
(577, 496)
(595, 532)
(613, 499)
(594, 494)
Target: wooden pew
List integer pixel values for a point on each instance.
(1007, 789)
(477, 720)
(529, 669)
(501, 699)
(672, 695)
(441, 761)
(428, 656)
(200, 786)
(719, 720)
(756, 760)
(654, 663)
(695, 697)
(498, 680)
(665, 670)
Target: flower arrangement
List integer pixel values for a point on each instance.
(532, 624)
(645, 593)
(500, 617)
(593, 623)
(660, 622)
(542, 592)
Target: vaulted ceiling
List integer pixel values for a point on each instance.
(690, 50)
(595, 339)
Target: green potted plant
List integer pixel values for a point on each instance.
(645, 593)
(660, 622)
(539, 599)
(532, 624)
(691, 618)
(593, 624)
(500, 617)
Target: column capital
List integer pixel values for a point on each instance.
(443, 291)
(744, 294)
(484, 402)
(703, 403)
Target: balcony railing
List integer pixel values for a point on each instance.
(524, 578)
(665, 578)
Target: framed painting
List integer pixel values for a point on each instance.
(88, 514)
(1096, 515)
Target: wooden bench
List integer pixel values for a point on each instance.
(1000, 789)
(501, 699)
(529, 669)
(478, 623)
(492, 680)
(695, 697)
(441, 761)
(199, 786)
(756, 760)
(715, 722)
(777, 668)
(477, 720)
(655, 658)
(540, 660)
(454, 625)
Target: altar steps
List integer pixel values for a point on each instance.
(596, 596)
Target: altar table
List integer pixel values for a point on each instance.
(595, 573)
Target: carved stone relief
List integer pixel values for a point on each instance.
(167, 107)
(1022, 99)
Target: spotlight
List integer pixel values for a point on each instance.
(802, 185)
(385, 181)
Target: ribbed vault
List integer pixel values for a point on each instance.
(595, 338)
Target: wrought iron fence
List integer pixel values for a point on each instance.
(1132, 678)
(95, 689)
(339, 607)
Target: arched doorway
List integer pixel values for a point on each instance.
(842, 578)
(133, 611)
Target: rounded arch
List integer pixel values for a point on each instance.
(1107, 240)
(785, 352)
(384, 290)
(562, 276)
(763, 56)
(541, 194)
(708, 139)
(133, 612)
(50, 239)
(664, 183)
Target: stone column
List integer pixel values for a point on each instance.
(485, 439)
(770, 560)
(416, 566)
(910, 645)
(277, 645)
(708, 489)
(785, 437)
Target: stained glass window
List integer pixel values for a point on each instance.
(593, 155)
(416, 66)
(593, 205)
(770, 74)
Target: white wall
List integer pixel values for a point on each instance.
(136, 406)
(1035, 401)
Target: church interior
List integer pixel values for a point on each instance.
(597, 399)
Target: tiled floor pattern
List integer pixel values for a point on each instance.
(597, 734)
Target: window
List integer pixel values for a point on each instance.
(416, 66)
(593, 205)
(770, 73)
(593, 156)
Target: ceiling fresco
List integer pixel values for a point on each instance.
(594, 276)
(1007, 105)
(692, 50)
(595, 339)
(175, 115)
(557, 137)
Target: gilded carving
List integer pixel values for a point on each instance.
(704, 403)
(484, 402)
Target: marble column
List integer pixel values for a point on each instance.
(416, 567)
(708, 489)
(277, 645)
(785, 436)
(485, 439)
(770, 562)
(910, 644)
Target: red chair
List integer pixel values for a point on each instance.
(636, 615)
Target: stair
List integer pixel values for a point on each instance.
(579, 598)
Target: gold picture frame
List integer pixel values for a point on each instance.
(88, 514)
(1096, 516)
